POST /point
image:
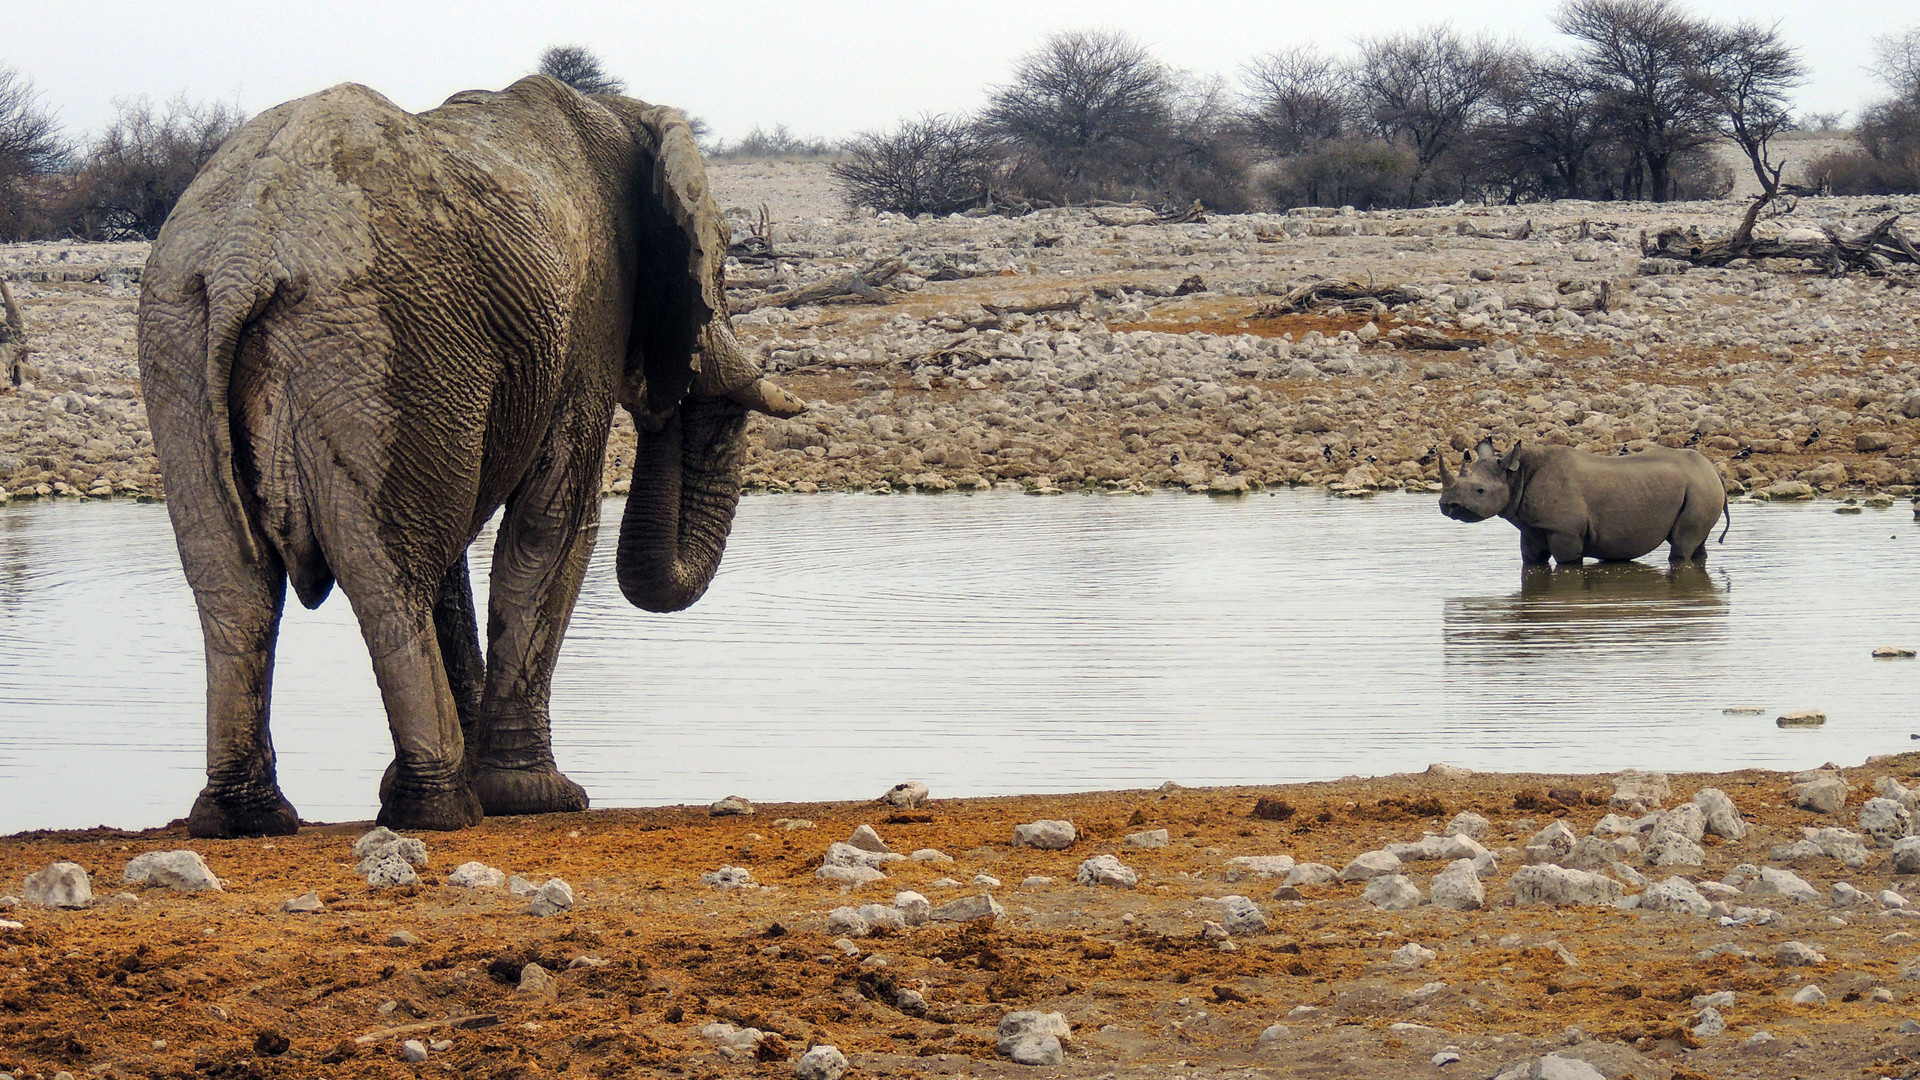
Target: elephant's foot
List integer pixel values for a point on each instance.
(540, 790)
(218, 817)
(442, 810)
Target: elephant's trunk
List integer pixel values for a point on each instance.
(686, 486)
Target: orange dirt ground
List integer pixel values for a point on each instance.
(226, 985)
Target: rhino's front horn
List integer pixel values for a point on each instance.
(1446, 474)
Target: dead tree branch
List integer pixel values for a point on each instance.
(862, 286)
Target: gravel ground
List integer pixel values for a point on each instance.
(1073, 349)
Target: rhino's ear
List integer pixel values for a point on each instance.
(1512, 461)
(683, 252)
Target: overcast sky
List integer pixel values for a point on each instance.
(830, 67)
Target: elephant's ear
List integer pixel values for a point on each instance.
(682, 262)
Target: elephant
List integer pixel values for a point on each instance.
(1570, 505)
(362, 332)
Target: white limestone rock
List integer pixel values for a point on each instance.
(728, 877)
(182, 870)
(381, 842)
(914, 908)
(866, 839)
(1369, 865)
(1392, 892)
(1827, 795)
(1157, 838)
(908, 796)
(1047, 835)
(1556, 886)
(1243, 867)
(1674, 894)
(1241, 916)
(822, 1062)
(1411, 955)
(1797, 954)
(1458, 888)
(1773, 881)
(1722, 817)
(476, 875)
(731, 806)
(1906, 855)
(1107, 870)
(553, 898)
(1030, 1037)
(388, 870)
(968, 908)
(1310, 873)
(1551, 844)
(1466, 823)
(1884, 820)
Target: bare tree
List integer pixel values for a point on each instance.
(1090, 105)
(1642, 57)
(933, 165)
(1426, 88)
(30, 148)
(1746, 70)
(578, 68)
(1897, 61)
(1822, 121)
(1296, 98)
(141, 165)
(1546, 124)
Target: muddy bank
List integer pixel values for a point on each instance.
(1091, 349)
(1166, 976)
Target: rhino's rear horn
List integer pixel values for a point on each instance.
(1446, 474)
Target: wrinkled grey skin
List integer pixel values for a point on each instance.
(363, 331)
(1570, 505)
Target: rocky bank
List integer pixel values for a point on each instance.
(1078, 349)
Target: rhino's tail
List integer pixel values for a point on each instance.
(1726, 510)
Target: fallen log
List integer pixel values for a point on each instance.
(863, 286)
(1328, 293)
(1419, 337)
(458, 1023)
(1875, 250)
(1521, 233)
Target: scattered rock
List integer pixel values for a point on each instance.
(1674, 894)
(1106, 870)
(553, 898)
(1029, 1037)
(1392, 892)
(1884, 820)
(1846, 896)
(1157, 838)
(1273, 1033)
(1906, 855)
(519, 886)
(182, 870)
(1369, 865)
(62, 885)
(732, 806)
(1826, 795)
(388, 870)
(728, 877)
(1894, 652)
(1555, 1067)
(535, 981)
(1241, 916)
(413, 1051)
(1556, 886)
(1311, 873)
(1810, 995)
(1722, 817)
(866, 839)
(1259, 866)
(1636, 792)
(1412, 955)
(914, 909)
(1802, 718)
(1458, 888)
(1797, 954)
(307, 903)
(910, 795)
(821, 1062)
(1045, 835)
(1466, 823)
(927, 854)
(382, 842)
(1551, 844)
(476, 875)
(1772, 881)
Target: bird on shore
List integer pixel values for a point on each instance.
(1173, 458)
(1813, 438)
(1694, 440)
(1427, 457)
(1745, 453)
(1327, 452)
(1352, 452)
(1623, 449)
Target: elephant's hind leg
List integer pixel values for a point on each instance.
(546, 539)
(240, 604)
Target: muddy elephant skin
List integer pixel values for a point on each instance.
(1570, 505)
(361, 333)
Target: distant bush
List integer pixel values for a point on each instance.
(31, 152)
(778, 143)
(578, 68)
(1342, 172)
(933, 165)
(141, 165)
(1854, 172)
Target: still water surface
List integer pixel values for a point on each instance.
(1003, 643)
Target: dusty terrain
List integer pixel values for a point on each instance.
(1080, 349)
(225, 984)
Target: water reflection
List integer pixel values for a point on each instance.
(1595, 606)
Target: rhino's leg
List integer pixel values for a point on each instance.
(1566, 550)
(1533, 547)
(546, 538)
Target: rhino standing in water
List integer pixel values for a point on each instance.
(1572, 506)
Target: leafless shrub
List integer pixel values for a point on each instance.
(1089, 109)
(578, 68)
(1643, 57)
(1342, 172)
(1296, 99)
(141, 165)
(1427, 89)
(1746, 71)
(933, 165)
(31, 150)
(778, 143)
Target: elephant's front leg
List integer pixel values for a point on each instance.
(539, 560)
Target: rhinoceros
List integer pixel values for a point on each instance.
(1572, 506)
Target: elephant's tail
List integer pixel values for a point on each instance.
(230, 308)
(1726, 511)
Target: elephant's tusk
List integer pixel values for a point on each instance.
(766, 396)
